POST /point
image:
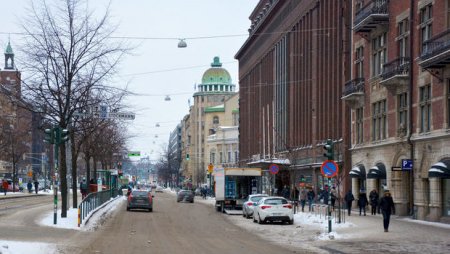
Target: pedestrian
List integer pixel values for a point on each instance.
(285, 192)
(387, 208)
(5, 186)
(302, 198)
(83, 188)
(29, 186)
(311, 195)
(362, 202)
(349, 200)
(36, 186)
(333, 197)
(373, 197)
(325, 195)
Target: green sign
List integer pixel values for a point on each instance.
(131, 154)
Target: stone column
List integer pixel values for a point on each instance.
(399, 184)
(355, 189)
(435, 199)
(371, 184)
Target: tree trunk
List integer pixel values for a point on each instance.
(74, 170)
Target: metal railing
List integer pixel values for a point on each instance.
(353, 86)
(374, 7)
(321, 211)
(399, 66)
(436, 45)
(93, 201)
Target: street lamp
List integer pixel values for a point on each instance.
(182, 43)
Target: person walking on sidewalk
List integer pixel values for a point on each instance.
(302, 197)
(29, 186)
(311, 195)
(349, 200)
(5, 185)
(36, 186)
(362, 202)
(333, 197)
(374, 197)
(387, 208)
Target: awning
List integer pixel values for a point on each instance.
(377, 172)
(358, 172)
(440, 169)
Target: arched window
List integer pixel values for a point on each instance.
(215, 120)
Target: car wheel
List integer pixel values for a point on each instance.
(291, 222)
(247, 216)
(254, 218)
(192, 201)
(150, 209)
(128, 209)
(259, 220)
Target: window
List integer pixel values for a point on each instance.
(235, 116)
(402, 39)
(212, 158)
(229, 157)
(426, 20)
(402, 109)
(359, 62)
(425, 108)
(379, 120)
(378, 54)
(236, 156)
(215, 120)
(359, 125)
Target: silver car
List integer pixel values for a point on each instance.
(186, 196)
(249, 204)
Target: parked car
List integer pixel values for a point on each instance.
(198, 191)
(140, 199)
(249, 204)
(159, 189)
(185, 195)
(10, 186)
(273, 209)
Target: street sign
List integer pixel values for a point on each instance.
(407, 164)
(135, 153)
(329, 168)
(274, 169)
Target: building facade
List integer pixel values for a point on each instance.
(215, 89)
(291, 71)
(174, 153)
(399, 95)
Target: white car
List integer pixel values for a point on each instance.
(249, 204)
(159, 189)
(273, 209)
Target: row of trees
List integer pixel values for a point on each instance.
(69, 59)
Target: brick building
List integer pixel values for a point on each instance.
(399, 93)
(292, 69)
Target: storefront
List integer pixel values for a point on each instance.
(439, 175)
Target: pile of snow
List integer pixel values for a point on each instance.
(15, 247)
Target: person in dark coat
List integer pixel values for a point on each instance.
(325, 195)
(362, 202)
(311, 195)
(333, 196)
(286, 193)
(373, 198)
(349, 200)
(29, 186)
(36, 186)
(387, 208)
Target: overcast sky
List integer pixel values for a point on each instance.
(158, 67)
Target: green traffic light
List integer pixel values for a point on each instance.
(329, 148)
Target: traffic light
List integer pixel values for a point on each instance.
(329, 148)
(64, 135)
(49, 136)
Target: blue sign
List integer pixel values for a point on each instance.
(274, 168)
(329, 168)
(407, 164)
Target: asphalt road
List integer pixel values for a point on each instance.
(174, 228)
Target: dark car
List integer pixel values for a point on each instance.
(185, 195)
(140, 199)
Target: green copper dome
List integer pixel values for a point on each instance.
(216, 74)
(9, 49)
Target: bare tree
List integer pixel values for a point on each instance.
(69, 55)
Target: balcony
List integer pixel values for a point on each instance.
(396, 73)
(370, 16)
(436, 51)
(354, 92)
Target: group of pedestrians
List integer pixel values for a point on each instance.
(383, 205)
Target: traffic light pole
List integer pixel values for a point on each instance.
(55, 188)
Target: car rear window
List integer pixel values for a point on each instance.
(186, 191)
(140, 193)
(256, 199)
(275, 201)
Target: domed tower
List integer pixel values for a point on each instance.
(216, 80)
(216, 88)
(9, 57)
